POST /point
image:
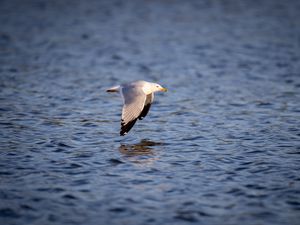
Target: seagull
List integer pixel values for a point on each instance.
(137, 98)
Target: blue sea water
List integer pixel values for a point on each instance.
(221, 147)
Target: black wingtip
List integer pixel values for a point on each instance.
(123, 133)
(144, 112)
(125, 128)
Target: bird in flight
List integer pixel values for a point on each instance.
(137, 98)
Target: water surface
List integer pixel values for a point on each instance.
(221, 147)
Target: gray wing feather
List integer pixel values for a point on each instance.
(134, 101)
(148, 102)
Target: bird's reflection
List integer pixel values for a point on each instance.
(141, 153)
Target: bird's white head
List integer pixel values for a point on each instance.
(153, 87)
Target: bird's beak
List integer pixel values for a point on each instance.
(164, 89)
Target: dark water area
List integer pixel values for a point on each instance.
(221, 147)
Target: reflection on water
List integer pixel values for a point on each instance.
(142, 152)
(144, 147)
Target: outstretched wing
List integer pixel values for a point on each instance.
(134, 101)
(147, 105)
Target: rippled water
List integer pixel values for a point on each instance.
(221, 147)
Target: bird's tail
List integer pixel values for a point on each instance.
(113, 89)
